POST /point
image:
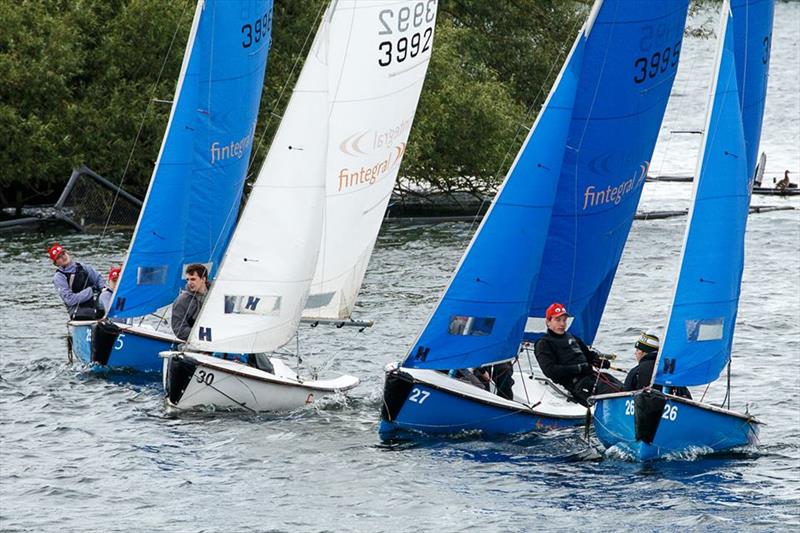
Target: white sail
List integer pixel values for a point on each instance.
(379, 54)
(258, 295)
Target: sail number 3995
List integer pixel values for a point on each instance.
(257, 30)
(399, 48)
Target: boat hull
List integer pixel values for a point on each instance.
(427, 401)
(119, 346)
(676, 426)
(193, 381)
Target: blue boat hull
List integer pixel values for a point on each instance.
(129, 349)
(679, 426)
(411, 405)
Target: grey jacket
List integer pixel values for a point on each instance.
(185, 311)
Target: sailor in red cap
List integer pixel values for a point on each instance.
(567, 360)
(77, 284)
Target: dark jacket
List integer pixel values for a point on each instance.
(565, 358)
(639, 377)
(184, 312)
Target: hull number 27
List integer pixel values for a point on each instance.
(418, 396)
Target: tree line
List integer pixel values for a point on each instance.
(88, 81)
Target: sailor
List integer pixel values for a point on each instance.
(77, 285)
(565, 359)
(640, 376)
(108, 291)
(187, 306)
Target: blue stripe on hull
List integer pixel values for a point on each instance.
(435, 411)
(131, 351)
(683, 428)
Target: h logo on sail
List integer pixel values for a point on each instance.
(266, 305)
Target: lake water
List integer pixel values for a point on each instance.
(79, 452)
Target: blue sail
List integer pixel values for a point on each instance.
(600, 124)
(697, 343)
(752, 36)
(629, 69)
(193, 199)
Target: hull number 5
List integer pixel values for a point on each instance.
(418, 396)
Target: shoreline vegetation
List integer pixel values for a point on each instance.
(91, 82)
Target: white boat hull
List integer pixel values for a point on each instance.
(194, 380)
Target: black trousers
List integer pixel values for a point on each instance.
(597, 383)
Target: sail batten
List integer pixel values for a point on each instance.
(193, 197)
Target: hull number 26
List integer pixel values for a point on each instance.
(670, 411)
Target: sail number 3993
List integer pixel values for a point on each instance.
(670, 411)
(418, 20)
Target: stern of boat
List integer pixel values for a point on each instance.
(648, 424)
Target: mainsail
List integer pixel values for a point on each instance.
(556, 228)
(194, 194)
(255, 302)
(346, 110)
(699, 333)
(376, 81)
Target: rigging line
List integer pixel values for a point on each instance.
(141, 123)
(524, 385)
(528, 117)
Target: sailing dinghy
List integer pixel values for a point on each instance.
(310, 222)
(193, 198)
(650, 424)
(555, 231)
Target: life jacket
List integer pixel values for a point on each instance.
(77, 281)
(568, 350)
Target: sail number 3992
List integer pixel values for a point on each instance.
(670, 411)
(398, 48)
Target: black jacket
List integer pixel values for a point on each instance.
(565, 358)
(639, 377)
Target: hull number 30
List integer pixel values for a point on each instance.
(418, 396)
(204, 377)
(670, 411)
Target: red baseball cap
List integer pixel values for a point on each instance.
(555, 309)
(113, 274)
(55, 251)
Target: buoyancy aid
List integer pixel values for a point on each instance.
(78, 281)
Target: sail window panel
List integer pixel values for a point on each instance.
(152, 275)
(319, 300)
(709, 329)
(470, 325)
(264, 305)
